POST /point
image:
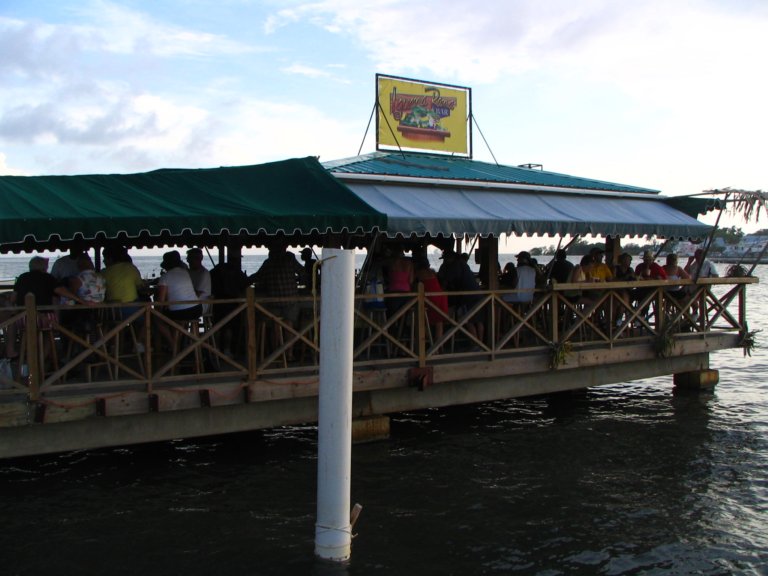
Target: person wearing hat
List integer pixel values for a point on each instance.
(600, 271)
(175, 294)
(201, 278)
(648, 269)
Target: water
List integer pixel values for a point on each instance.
(628, 479)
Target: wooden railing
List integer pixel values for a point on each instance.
(112, 352)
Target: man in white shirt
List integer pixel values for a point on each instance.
(201, 277)
(699, 267)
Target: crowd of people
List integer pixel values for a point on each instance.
(185, 289)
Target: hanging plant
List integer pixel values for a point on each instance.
(559, 352)
(748, 340)
(664, 343)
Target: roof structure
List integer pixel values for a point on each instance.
(426, 194)
(295, 196)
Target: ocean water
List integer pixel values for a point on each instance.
(625, 479)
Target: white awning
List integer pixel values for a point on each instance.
(454, 210)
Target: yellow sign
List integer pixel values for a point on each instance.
(422, 116)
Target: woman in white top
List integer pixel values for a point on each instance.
(175, 286)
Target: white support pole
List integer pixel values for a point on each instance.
(333, 533)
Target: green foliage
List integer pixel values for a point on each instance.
(559, 354)
(732, 235)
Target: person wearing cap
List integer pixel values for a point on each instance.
(648, 269)
(599, 271)
(201, 277)
(526, 280)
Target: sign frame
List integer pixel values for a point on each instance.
(420, 116)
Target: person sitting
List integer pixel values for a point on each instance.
(675, 272)
(648, 269)
(279, 277)
(90, 287)
(228, 281)
(88, 284)
(435, 295)
(700, 267)
(175, 294)
(559, 269)
(526, 280)
(455, 275)
(599, 271)
(123, 279)
(310, 271)
(201, 278)
(66, 266)
(578, 276)
(399, 278)
(623, 272)
(508, 278)
(45, 289)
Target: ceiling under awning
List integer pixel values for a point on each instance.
(452, 210)
(295, 196)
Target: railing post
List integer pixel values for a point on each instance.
(148, 344)
(421, 332)
(660, 312)
(33, 354)
(743, 306)
(250, 312)
(555, 306)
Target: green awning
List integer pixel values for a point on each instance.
(693, 206)
(295, 196)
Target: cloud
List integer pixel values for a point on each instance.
(630, 43)
(6, 170)
(39, 49)
(313, 72)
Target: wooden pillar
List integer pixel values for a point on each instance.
(370, 429)
(489, 261)
(612, 250)
(705, 379)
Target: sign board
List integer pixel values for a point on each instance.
(418, 116)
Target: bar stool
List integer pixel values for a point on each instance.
(378, 316)
(127, 345)
(278, 340)
(189, 331)
(45, 336)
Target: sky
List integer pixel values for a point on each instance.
(665, 94)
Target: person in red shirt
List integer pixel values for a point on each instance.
(648, 269)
